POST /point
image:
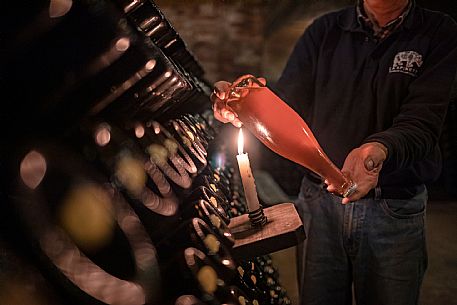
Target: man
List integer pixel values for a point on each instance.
(372, 81)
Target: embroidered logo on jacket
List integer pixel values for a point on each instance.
(407, 62)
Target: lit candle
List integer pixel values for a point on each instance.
(247, 178)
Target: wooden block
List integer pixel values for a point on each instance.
(284, 229)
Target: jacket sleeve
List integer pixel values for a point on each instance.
(295, 86)
(416, 129)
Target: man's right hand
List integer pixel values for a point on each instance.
(363, 165)
(221, 111)
(221, 94)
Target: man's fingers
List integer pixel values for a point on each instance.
(354, 197)
(372, 166)
(262, 80)
(331, 188)
(221, 113)
(237, 123)
(220, 94)
(221, 89)
(219, 98)
(345, 201)
(227, 114)
(218, 107)
(219, 117)
(369, 164)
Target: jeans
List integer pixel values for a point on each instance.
(373, 248)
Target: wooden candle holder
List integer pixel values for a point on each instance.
(283, 229)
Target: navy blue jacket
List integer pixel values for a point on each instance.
(351, 89)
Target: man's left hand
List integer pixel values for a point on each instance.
(363, 165)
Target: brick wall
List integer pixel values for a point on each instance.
(226, 37)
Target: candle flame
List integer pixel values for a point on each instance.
(240, 141)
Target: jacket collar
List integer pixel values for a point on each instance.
(348, 21)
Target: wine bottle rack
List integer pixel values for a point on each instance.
(109, 185)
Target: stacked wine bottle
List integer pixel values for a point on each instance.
(188, 223)
(109, 179)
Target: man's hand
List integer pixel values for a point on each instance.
(363, 165)
(219, 97)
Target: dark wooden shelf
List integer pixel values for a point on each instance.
(284, 229)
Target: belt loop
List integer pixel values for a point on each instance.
(377, 193)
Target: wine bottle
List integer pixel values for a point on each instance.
(265, 114)
(242, 298)
(220, 203)
(191, 272)
(206, 211)
(219, 180)
(217, 186)
(214, 292)
(190, 142)
(238, 204)
(247, 281)
(196, 233)
(201, 125)
(166, 153)
(197, 132)
(139, 178)
(80, 230)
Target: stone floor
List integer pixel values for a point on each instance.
(440, 283)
